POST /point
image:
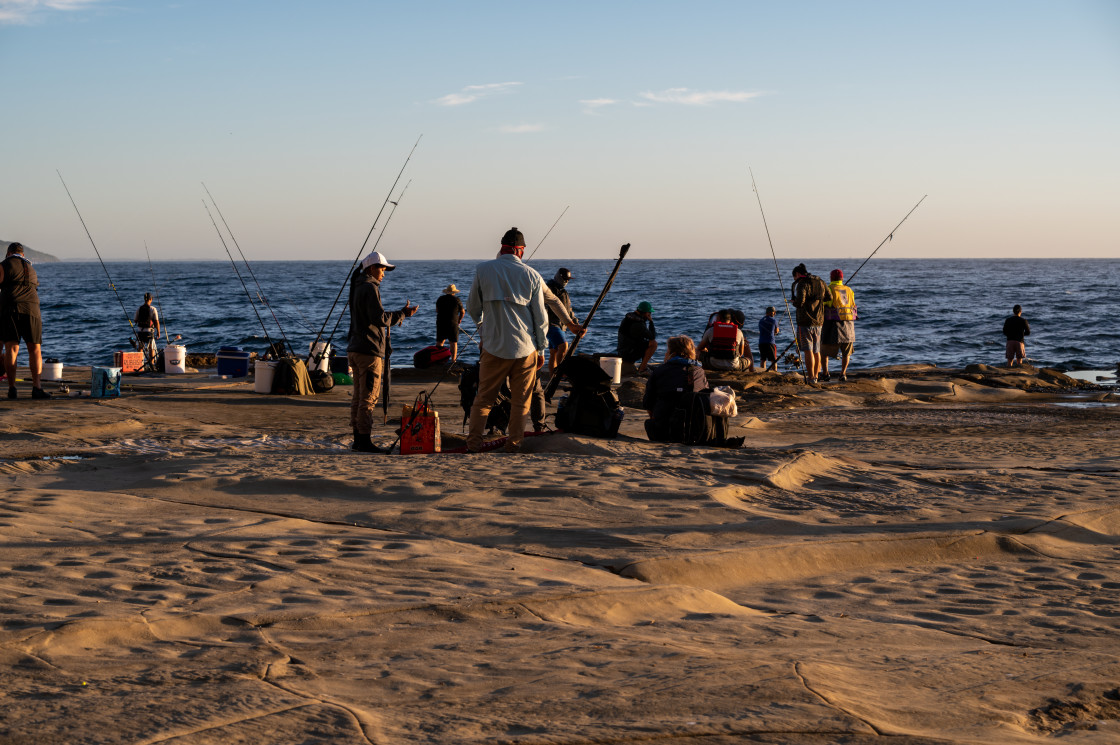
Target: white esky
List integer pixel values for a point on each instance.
(644, 117)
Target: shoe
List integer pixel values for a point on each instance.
(362, 444)
(843, 378)
(11, 391)
(39, 393)
(824, 378)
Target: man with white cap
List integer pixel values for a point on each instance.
(507, 302)
(369, 343)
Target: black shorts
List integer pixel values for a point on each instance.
(16, 326)
(448, 332)
(768, 352)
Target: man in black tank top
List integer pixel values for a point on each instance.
(147, 331)
(19, 318)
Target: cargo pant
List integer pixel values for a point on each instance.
(492, 372)
(366, 370)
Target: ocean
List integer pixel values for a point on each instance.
(946, 312)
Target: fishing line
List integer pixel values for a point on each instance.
(353, 264)
(778, 271)
(155, 289)
(260, 291)
(890, 236)
(546, 234)
(113, 287)
(346, 305)
(238, 273)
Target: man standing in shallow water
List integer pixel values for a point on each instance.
(1016, 328)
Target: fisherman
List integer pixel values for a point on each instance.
(723, 346)
(1016, 328)
(808, 296)
(767, 348)
(637, 336)
(506, 302)
(449, 314)
(838, 336)
(19, 318)
(147, 331)
(557, 344)
(369, 345)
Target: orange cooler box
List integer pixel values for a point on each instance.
(128, 361)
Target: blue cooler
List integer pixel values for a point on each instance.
(105, 382)
(233, 362)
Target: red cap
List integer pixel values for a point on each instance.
(836, 274)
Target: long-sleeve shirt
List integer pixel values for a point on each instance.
(506, 301)
(369, 321)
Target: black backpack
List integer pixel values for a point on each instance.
(692, 422)
(321, 380)
(498, 419)
(591, 407)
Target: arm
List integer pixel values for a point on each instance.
(474, 301)
(557, 307)
(540, 317)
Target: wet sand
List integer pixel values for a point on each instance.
(924, 555)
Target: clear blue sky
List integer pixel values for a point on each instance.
(642, 116)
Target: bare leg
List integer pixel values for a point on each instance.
(556, 356)
(648, 355)
(35, 363)
(11, 351)
(454, 350)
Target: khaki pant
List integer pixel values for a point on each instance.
(492, 372)
(366, 369)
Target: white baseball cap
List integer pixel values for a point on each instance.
(377, 259)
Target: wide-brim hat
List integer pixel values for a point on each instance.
(451, 290)
(377, 259)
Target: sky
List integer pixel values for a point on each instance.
(645, 120)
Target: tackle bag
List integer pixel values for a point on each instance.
(429, 356)
(419, 428)
(291, 378)
(591, 407)
(321, 380)
(693, 423)
(498, 418)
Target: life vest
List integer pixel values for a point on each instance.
(725, 341)
(841, 303)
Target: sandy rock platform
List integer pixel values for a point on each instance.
(914, 556)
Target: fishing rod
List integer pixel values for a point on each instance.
(113, 287)
(890, 237)
(789, 315)
(155, 290)
(546, 234)
(362, 249)
(238, 273)
(555, 380)
(346, 305)
(260, 291)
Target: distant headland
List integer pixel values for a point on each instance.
(31, 253)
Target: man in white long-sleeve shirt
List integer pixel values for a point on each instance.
(506, 301)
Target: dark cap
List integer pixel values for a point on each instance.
(563, 273)
(513, 237)
(799, 270)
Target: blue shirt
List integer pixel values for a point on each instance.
(767, 327)
(507, 302)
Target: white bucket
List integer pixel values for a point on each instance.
(52, 371)
(175, 358)
(612, 366)
(263, 373)
(319, 357)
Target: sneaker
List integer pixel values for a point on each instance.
(824, 377)
(843, 378)
(39, 393)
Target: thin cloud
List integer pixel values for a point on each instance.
(23, 11)
(592, 105)
(472, 93)
(520, 129)
(688, 97)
